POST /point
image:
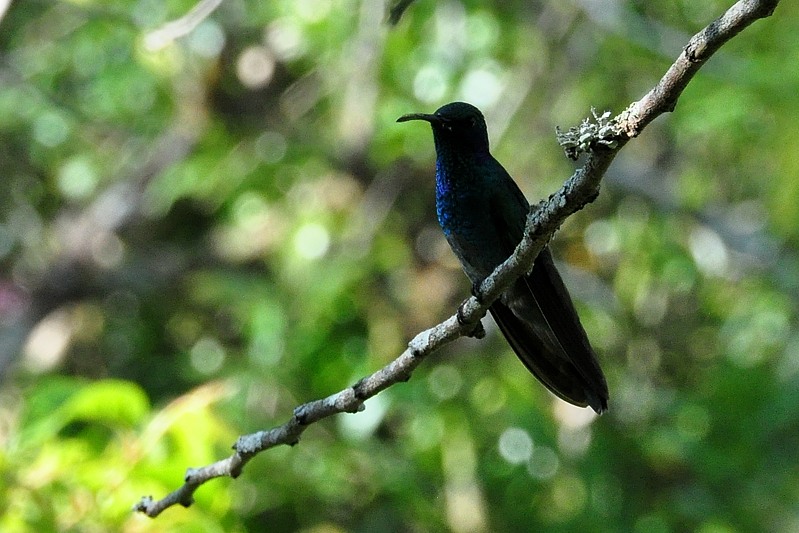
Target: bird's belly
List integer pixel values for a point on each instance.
(477, 256)
(474, 240)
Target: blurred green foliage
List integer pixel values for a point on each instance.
(197, 235)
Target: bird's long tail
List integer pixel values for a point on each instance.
(538, 318)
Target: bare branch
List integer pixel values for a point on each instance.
(602, 143)
(161, 37)
(4, 5)
(663, 96)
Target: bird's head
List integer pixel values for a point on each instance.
(456, 126)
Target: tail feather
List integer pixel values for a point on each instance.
(537, 317)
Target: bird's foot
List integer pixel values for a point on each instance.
(478, 331)
(477, 293)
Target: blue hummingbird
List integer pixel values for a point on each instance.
(483, 213)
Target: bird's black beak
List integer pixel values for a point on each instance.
(432, 119)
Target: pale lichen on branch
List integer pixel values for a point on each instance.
(603, 131)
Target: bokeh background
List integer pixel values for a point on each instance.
(196, 235)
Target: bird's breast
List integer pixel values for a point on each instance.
(464, 215)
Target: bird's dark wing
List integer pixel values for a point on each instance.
(555, 303)
(538, 318)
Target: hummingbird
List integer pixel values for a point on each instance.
(483, 213)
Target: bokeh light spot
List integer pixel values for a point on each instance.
(488, 396)
(48, 341)
(50, 129)
(429, 84)
(255, 67)
(312, 241)
(483, 30)
(602, 239)
(709, 251)
(445, 381)
(543, 463)
(107, 249)
(285, 39)
(482, 86)
(77, 179)
(207, 40)
(515, 445)
(270, 146)
(312, 10)
(207, 355)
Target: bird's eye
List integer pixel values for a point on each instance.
(471, 122)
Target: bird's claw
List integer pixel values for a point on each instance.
(478, 331)
(477, 293)
(460, 313)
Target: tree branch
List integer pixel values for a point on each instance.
(601, 141)
(175, 29)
